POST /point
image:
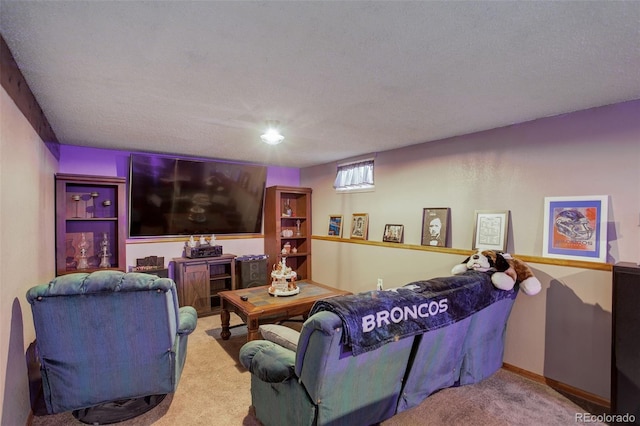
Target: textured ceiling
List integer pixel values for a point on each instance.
(343, 78)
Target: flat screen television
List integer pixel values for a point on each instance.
(176, 196)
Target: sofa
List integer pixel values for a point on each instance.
(330, 374)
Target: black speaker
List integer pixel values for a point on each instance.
(251, 272)
(625, 357)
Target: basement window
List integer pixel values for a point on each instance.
(355, 177)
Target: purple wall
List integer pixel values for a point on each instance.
(106, 162)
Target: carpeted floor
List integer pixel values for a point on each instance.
(215, 390)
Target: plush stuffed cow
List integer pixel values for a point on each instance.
(509, 270)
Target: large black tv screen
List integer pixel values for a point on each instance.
(175, 196)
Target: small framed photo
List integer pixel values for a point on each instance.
(335, 225)
(490, 230)
(359, 226)
(435, 226)
(393, 234)
(576, 228)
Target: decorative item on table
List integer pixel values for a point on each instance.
(105, 253)
(83, 246)
(283, 280)
(202, 248)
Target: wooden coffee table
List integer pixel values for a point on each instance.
(262, 308)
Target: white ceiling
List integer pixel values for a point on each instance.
(344, 78)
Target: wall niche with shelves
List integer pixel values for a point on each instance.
(90, 215)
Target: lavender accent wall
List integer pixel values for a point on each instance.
(106, 162)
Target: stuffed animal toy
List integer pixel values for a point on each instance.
(509, 271)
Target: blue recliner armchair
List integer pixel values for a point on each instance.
(106, 338)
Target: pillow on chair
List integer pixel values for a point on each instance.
(281, 335)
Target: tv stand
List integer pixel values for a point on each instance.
(199, 281)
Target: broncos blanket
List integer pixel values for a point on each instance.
(374, 318)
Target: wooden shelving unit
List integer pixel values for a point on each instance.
(93, 206)
(292, 227)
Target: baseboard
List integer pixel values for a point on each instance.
(559, 386)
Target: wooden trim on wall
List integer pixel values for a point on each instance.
(559, 386)
(463, 252)
(16, 86)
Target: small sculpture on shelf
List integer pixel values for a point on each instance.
(286, 249)
(287, 211)
(298, 233)
(105, 254)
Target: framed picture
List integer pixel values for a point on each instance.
(359, 226)
(435, 226)
(576, 227)
(490, 230)
(335, 226)
(393, 234)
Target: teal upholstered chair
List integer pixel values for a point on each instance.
(110, 344)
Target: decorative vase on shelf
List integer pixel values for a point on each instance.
(83, 245)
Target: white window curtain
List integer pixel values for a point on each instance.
(354, 176)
